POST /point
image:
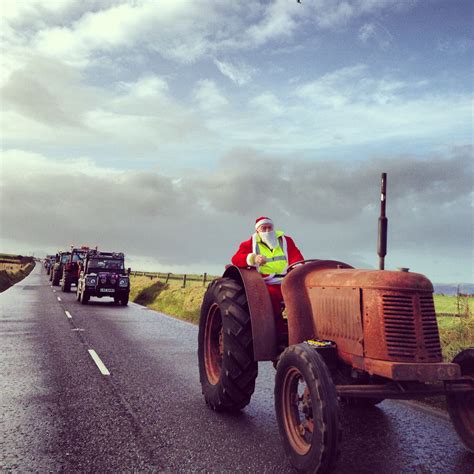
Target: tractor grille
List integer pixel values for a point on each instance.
(411, 334)
(430, 327)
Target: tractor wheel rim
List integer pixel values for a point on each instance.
(213, 343)
(297, 412)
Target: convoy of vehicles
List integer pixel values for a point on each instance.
(93, 272)
(355, 337)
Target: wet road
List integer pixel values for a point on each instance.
(58, 412)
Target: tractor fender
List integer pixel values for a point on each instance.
(295, 294)
(260, 309)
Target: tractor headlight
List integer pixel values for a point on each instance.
(91, 281)
(123, 282)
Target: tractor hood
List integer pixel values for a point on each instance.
(367, 279)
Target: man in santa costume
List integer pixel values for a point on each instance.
(270, 252)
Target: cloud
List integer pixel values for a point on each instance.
(240, 73)
(208, 96)
(84, 33)
(48, 102)
(376, 33)
(41, 90)
(268, 102)
(455, 46)
(330, 207)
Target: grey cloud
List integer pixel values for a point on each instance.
(49, 92)
(331, 208)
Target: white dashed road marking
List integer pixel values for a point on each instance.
(59, 299)
(68, 314)
(103, 369)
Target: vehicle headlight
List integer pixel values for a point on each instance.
(123, 282)
(91, 281)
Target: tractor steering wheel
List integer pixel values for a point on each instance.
(300, 262)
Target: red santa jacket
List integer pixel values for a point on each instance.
(240, 257)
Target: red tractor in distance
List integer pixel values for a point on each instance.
(71, 268)
(356, 337)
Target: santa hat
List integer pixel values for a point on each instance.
(262, 220)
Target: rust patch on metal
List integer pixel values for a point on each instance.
(337, 317)
(261, 312)
(295, 293)
(405, 371)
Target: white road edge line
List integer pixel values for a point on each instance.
(103, 369)
(68, 314)
(59, 299)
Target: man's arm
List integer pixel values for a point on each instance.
(294, 254)
(244, 256)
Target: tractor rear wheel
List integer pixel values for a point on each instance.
(227, 369)
(65, 285)
(307, 409)
(56, 278)
(461, 405)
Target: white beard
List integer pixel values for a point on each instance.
(269, 238)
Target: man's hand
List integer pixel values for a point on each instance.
(260, 260)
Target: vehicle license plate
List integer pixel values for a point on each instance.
(107, 290)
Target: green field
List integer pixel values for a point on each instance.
(13, 268)
(459, 305)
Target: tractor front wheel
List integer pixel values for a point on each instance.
(84, 298)
(227, 369)
(461, 405)
(307, 409)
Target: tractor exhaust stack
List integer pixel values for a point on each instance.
(383, 224)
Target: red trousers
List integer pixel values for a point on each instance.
(277, 300)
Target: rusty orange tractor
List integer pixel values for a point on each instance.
(355, 337)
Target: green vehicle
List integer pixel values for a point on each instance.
(57, 270)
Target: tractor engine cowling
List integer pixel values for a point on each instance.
(375, 314)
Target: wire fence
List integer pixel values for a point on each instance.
(184, 278)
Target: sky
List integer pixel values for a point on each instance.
(164, 128)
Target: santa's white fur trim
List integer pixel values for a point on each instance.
(251, 259)
(263, 221)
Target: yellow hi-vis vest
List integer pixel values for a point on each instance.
(277, 259)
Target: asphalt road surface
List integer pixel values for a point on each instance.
(138, 405)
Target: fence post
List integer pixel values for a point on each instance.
(204, 279)
(184, 280)
(167, 278)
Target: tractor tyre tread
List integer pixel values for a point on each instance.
(239, 370)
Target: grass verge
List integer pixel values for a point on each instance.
(169, 298)
(13, 273)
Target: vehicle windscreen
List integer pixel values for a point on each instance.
(64, 258)
(76, 257)
(105, 264)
